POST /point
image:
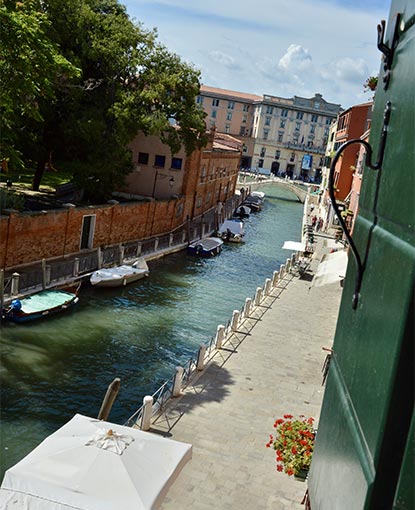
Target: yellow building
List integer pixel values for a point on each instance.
(279, 135)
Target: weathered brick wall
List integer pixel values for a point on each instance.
(29, 237)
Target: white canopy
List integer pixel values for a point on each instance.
(81, 466)
(332, 268)
(293, 245)
(235, 226)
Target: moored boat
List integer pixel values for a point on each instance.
(243, 211)
(40, 305)
(208, 247)
(120, 275)
(232, 231)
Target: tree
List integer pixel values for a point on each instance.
(128, 82)
(31, 69)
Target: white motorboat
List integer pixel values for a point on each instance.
(232, 231)
(120, 275)
(243, 211)
(259, 194)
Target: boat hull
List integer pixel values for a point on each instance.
(119, 282)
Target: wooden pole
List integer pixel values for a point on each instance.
(109, 399)
(1, 289)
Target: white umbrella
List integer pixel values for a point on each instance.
(93, 465)
(293, 246)
(332, 268)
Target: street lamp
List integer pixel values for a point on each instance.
(162, 176)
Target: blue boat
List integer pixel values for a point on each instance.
(40, 305)
(208, 247)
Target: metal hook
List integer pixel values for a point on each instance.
(375, 166)
(388, 51)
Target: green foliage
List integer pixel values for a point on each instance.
(127, 82)
(11, 200)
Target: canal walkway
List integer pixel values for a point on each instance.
(272, 367)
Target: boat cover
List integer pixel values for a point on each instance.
(235, 226)
(45, 300)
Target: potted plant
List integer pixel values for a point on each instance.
(293, 442)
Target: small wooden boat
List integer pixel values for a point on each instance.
(232, 231)
(120, 275)
(243, 211)
(208, 247)
(41, 305)
(258, 194)
(254, 203)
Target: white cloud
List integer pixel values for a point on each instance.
(352, 70)
(223, 58)
(295, 59)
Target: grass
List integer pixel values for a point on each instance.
(25, 177)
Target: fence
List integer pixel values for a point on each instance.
(156, 404)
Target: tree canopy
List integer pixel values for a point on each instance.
(98, 78)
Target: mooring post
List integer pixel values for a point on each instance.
(15, 284)
(44, 276)
(258, 296)
(121, 254)
(200, 365)
(156, 243)
(177, 384)
(109, 398)
(1, 289)
(267, 286)
(147, 413)
(282, 271)
(220, 335)
(288, 264)
(235, 320)
(99, 257)
(247, 307)
(76, 266)
(275, 277)
(139, 248)
(171, 238)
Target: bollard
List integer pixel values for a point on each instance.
(76, 266)
(139, 248)
(156, 244)
(99, 257)
(288, 265)
(258, 296)
(147, 413)
(267, 286)
(247, 307)
(282, 271)
(183, 236)
(121, 253)
(47, 275)
(235, 320)
(220, 335)
(109, 398)
(44, 277)
(171, 238)
(275, 278)
(201, 357)
(177, 384)
(15, 284)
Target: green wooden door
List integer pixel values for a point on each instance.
(364, 452)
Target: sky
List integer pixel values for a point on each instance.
(274, 47)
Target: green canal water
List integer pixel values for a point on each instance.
(55, 368)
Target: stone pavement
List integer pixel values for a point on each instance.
(272, 367)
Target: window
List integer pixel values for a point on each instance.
(143, 158)
(326, 132)
(231, 105)
(313, 128)
(227, 128)
(242, 131)
(176, 163)
(159, 161)
(263, 150)
(265, 136)
(244, 117)
(317, 105)
(246, 108)
(292, 156)
(277, 154)
(198, 202)
(199, 100)
(244, 148)
(328, 122)
(300, 115)
(203, 174)
(215, 102)
(267, 121)
(282, 123)
(280, 136)
(213, 114)
(229, 116)
(261, 163)
(269, 110)
(284, 113)
(297, 126)
(314, 118)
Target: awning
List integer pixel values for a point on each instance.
(332, 268)
(293, 246)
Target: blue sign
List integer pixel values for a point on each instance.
(307, 162)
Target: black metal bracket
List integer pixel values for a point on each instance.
(388, 51)
(373, 166)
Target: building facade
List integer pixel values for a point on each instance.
(280, 136)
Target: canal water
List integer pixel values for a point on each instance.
(55, 368)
